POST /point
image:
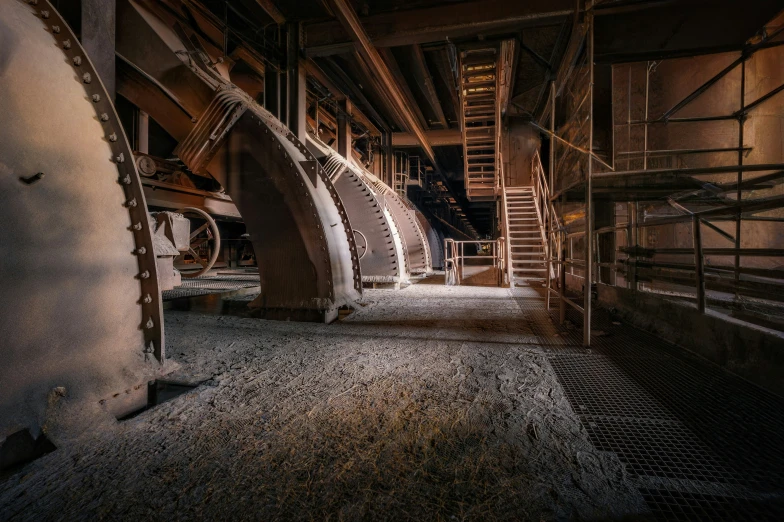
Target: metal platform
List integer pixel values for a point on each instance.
(225, 283)
(701, 443)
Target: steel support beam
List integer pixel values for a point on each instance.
(348, 19)
(418, 26)
(296, 83)
(437, 138)
(142, 132)
(272, 10)
(272, 91)
(427, 86)
(344, 128)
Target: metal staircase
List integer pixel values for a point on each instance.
(480, 118)
(526, 239)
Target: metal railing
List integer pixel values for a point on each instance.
(454, 258)
(504, 222)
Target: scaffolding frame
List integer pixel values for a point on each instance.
(640, 264)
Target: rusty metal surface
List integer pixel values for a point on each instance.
(80, 302)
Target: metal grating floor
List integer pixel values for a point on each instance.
(211, 284)
(702, 443)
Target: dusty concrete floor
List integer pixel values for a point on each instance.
(429, 403)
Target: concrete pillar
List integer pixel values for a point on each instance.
(98, 31)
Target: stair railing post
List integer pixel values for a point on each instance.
(588, 272)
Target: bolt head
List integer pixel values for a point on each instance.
(77, 60)
(104, 117)
(96, 98)
(56, 29)
(86, 78)
(113, 137)
(44, 14)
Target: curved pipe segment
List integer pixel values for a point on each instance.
(416, 247)
(304, 244)
(80, 307)
(384, 258)
(308, 262)
(435, 240)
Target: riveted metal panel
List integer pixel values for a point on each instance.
(80, 306)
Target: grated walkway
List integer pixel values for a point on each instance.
(701, 443)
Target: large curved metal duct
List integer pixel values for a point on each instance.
(80, 308)
(304, 244)
(417, 249)
(383, 258)
(435, 240)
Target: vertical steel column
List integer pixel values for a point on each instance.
(550, 175)
(296, 83)
(562, 304)
(344, 128)
(389, 158)
(699, 261)
(741, 126)
(631, 217)
(98, 37)
(272, 91)
(142, 132)
(588, 193)
(645, 128)
(629, 119)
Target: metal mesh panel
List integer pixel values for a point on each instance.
(711, 442)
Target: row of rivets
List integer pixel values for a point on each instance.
(126, 180)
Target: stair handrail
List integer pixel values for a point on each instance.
(548, 219)
(505, 222)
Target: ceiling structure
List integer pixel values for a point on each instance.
(396, 61)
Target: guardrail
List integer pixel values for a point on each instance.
(454, 258)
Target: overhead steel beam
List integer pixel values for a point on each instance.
(331, 66)
(425, 80)
(397, 74)
(272, 10)
(417, 26)
(348, 19)
(437, 138)
(339, 96)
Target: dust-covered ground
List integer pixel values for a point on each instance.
(428, 403)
